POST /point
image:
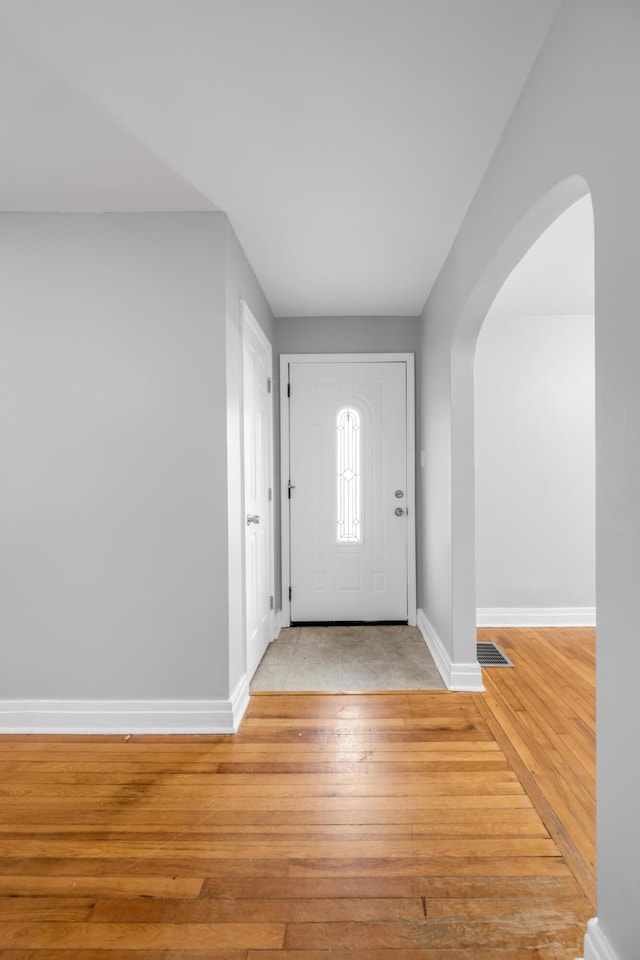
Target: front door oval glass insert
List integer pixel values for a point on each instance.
(349, 477)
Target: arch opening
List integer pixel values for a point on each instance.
(535, 436)
(463, 524)
(547, 216)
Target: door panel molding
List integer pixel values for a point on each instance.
(409, 360)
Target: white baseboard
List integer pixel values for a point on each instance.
(277, 624)
(536, 616)
(239, 703)
(125, 716)
(596, 945)
(460, 677)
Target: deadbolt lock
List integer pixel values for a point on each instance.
(399, 494)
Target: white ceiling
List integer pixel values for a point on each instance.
(345, 139)
(556, 275)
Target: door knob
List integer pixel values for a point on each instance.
(252, 518)
(399, 512)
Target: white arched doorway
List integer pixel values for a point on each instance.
(463, 558)
(535, 436)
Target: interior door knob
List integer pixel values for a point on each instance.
(399, 512)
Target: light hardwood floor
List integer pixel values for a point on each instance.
(330, 827)
(542, 714)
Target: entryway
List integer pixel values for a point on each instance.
(350, 659)
(348, 513)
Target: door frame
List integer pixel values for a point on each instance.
(247, 320)
(285, 440)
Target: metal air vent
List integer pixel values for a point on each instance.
(490, 655)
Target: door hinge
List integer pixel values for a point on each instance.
(270, 494)
(289, 593)
(290, 487)
(269, 385)
(270, 603)
(288, 389)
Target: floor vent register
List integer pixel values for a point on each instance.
(490, 655)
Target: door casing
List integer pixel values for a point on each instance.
(249, 321)
(285, 360)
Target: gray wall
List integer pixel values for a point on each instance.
(535, 462)
(346, 334)
(112, 426)
(576, 118)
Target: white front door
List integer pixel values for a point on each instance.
(348, 496)
(258, 482)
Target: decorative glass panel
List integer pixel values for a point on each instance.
(349, 489)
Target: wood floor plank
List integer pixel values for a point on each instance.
(208, 953)
(506, 888)
(249, 849)
(192, 785)
(164, 868)
(436, 933)
(465, 819)
(332, 801)
(362, 761)
(296, 867)
(480, 827)
(101, 886)
(480, 953)
(410, 953)
(45, 908)
(132, 936)
(420, 822)
(515, 910)
(186, 752)
(249, 910)
(424, 866)
(457, 765)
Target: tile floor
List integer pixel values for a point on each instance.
(347, 659)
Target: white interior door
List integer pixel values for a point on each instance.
(348, 496)
(258, 482)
